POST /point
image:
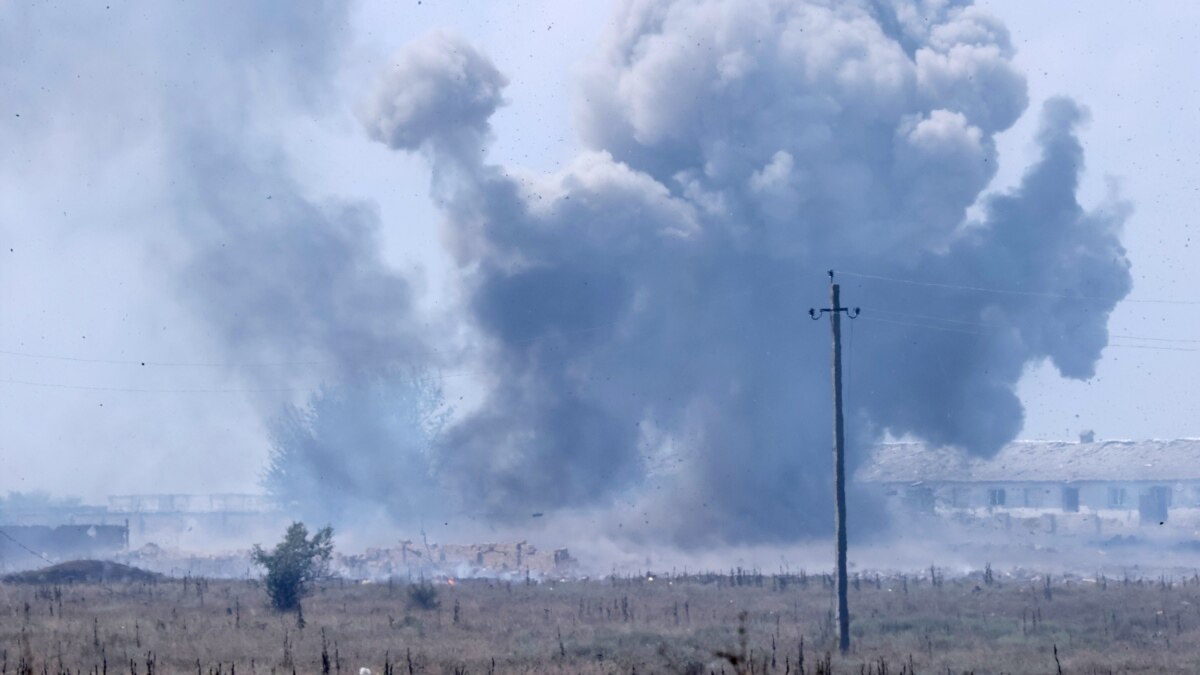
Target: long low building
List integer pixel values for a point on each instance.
(29, 546)
(177, 520)
(1105, 487)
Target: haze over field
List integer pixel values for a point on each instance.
(358, 255)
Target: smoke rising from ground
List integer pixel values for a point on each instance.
(639, 317)
(642, 311)
(287, 278)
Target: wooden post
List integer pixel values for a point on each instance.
(835, 310)
(839, 472)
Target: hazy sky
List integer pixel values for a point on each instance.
(87, 276)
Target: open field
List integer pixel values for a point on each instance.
(643, 625)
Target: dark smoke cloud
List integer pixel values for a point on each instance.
(643, 310)
(644, 346)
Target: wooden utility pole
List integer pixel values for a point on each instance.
(835, 310)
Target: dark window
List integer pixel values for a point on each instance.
(920, 499)
(1117, 497)
(996, 497)
(1071, 499)
(1153, 505)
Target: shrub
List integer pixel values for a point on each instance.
(294, 564)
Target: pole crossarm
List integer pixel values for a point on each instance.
(818, 313)
(815, 314)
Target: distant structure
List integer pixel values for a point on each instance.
(205, 519)
(25, 547)
(1088, 487)
(35, 529)
(188, 503)
(201, 520)
(503, 560)
(209, 534)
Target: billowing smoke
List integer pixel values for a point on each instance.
(299, 288)
(639, 317)
(442, 87)
(642, 313)
(179, 113)
(361, 449)
(281, 275)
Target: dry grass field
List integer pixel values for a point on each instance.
(732, 623)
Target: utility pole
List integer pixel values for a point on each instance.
(835, 310)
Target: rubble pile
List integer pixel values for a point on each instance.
(177, 563)
(409, 560)
(434, 561)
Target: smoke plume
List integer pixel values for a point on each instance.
(642, 313)
(285, 278)
(162, 130)
(637, 320)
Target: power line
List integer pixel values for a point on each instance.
(1157, 349)
(923, 325)
(1006, 291)
(926, 316)
(81, 387)
(29, 550)
(126, 362)
(469, 372)
(986, 326)
(1154, 339)
(971, 332)
(961, 326)
(281, 364)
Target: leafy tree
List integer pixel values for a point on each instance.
(294, 564)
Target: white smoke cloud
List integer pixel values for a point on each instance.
(643, 298)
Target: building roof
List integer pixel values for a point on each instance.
(190, 503)
(1037, 461)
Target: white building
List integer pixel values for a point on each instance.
(1107, 487)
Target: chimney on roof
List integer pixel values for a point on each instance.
(1087, 436)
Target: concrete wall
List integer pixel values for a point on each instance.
(199, 522)
(203, 531)
(189, 503)
(30, 546)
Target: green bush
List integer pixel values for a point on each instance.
(294, 564)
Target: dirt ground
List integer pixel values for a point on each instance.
(643, 624)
